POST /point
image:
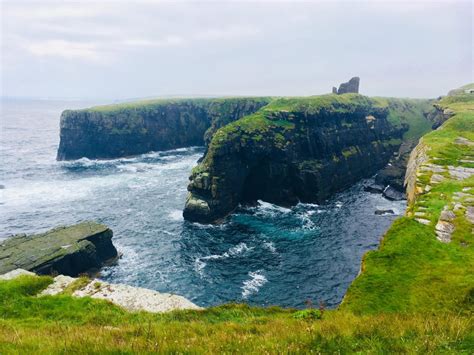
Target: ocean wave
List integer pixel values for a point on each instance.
(200, 262)
(253, 285)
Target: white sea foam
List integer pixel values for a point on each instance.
(307, 223)
(253, 285)
(200, 262)
(267, 209)
(176, 215)
(270, 246)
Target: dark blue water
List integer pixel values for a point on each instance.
(266, 255)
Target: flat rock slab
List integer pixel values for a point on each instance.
(135, 298)
(65, 250)
(131, 298)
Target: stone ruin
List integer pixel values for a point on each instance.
(351, 86)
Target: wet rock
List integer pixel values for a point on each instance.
(382, 212)
(65, 250)
(393, 194)
(374, 188)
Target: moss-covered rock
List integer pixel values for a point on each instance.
(65, 250)
(294, 149)
(138, 127)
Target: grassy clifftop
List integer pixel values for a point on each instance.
(426, 259)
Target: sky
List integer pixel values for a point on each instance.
(133, 49)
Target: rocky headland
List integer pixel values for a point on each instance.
(127, 129)
(298, 149)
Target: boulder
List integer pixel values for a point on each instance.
(68, 250)
(393, 194)
(381, 212)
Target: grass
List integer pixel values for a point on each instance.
(412, 271)
(62, 324)
(409, 112)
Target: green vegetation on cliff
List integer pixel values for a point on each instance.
(426, 260)
(413, 113)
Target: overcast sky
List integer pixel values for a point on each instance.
(118, 49)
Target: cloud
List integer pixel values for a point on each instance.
(64, 49)
(227, 33)
(172, 40)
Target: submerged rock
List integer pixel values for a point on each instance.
(65, 250)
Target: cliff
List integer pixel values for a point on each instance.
(67, 250)
(426, 258)
(138, 127)
(294, 149)
(420, 116)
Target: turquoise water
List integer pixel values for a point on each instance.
(264, 255)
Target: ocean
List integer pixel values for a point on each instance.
(263, 255)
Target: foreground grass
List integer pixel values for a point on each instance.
(62, 324)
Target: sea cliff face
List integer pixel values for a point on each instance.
(294, 149)
(135, 128)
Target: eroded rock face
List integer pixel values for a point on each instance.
(65, 250)
(136, 128)
(293, 150)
